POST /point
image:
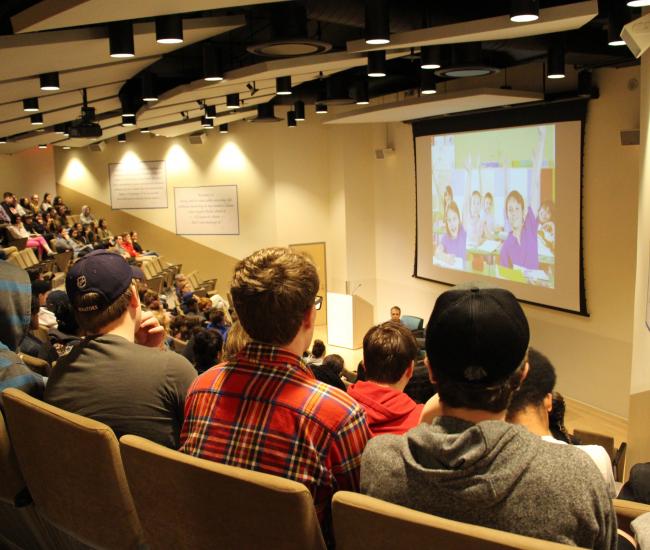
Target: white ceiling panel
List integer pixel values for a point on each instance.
(59, 14)
(551, 20)
(14, 90)
(57, 117)
(25, 55)
(32, 141)
(438, 104)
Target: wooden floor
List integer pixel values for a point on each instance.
(579, 415)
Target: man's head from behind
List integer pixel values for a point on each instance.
(389, 350)
(476, 342)
(100, 288)
(535, 395)
(273, 290)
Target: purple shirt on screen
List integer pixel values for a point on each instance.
(523, 252)
(455, 246)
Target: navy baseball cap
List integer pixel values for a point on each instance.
(103, 272)
(477, 335)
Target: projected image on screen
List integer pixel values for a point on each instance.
(493, 197)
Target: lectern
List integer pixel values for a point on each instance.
(348, 319)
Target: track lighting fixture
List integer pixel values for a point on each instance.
(232, 101)
(145, 131)
(361, 93)
(36, 120)
(169, 29)
(427, 82)
(299, 109)
(223, 128)
(377, 64)
(615, 23)
(555, 62)
(59, 129)
(321, 109)
(377, 22)
(212, 68)
(149, 88)
(120, 39)
(30, 105)
(49, 82)
(283, 85)
(430, 57)
(524, 11)
(291, 119)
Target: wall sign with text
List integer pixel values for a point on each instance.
(138, 184)
(210, 210)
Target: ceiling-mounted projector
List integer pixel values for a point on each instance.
(85, 126)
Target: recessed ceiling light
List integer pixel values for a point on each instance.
(49, 82)
(169, 29)
(120, 39)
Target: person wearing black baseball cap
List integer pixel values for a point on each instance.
(464, 462)
(119, 374)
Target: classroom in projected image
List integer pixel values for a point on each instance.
(493, 198)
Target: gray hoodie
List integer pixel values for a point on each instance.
(493, 474)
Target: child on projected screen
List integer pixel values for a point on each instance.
(472, 207)
(546, 228)
(520, 247)
(487, 217)
(453, 242)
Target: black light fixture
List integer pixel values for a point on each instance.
(291, 119)
(266, 113)
(121, 138)
(585, 83)
(49, 82)
(361, 93)
(42, 146)
(223, 128)
(120, 39)
(30, 105)
(430, 57)
(128, 107)
(615, 23)
(169, 29)
(299, 109)
(207, 123)
(210, 111)
(524, 11)
(3, 140)
(283, 85)
(145, 131)
(377, 64)
(149, 88)
(59, 129)
(377, 22)
(555, 62)
(36, 120)
(427, 82)
(321, 109)
(128, 120)
(232, 101)
(638, 3)
(212, 69)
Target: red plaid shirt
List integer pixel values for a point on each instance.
(267, 412)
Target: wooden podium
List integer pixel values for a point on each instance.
(348, 319)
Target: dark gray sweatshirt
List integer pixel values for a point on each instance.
(493, 474)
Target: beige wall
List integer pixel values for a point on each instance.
(322, 183)
(28, 172)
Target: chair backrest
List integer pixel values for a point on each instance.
(62, 259)
(11, 480)
(148, 270)
(20, 244)
(156, 284)
(412, 323)
(593, 438)
(361, 521)
(74, 472)
(187, 502)
(30, 257)
(627, 511)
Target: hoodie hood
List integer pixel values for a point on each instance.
(387, 410)
(477, 463)
(15, 304)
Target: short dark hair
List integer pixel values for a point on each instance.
(272, 290)
(92, 321)
(388, 350)
(207, 345)
(318, 348)
(539, 382)
(335, 363)
(493, 398)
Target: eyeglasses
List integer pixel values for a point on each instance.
(318, 302)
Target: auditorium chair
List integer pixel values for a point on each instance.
(627, 511)
(616, 455)
(74, 473)
(361, 521)
(191, 503)
(414, 324)
(19, 525)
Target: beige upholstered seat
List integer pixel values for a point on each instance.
(191, 503)
(74, 472)
(361, 521)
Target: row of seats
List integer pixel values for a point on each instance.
(84, 484)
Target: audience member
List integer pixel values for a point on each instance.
(470, 465)
(9, 207)
(15, 307)
(217, 320)
(206, 344)
(236, 342)
(117, 375)
(34, 240)
(532, 403)
(396, 314)
(47, 202)
(419, 387)
(330, 371)
(318, 432)
(41, 290)
(67, 334)
(315, 358)
(389, 352)
(86, 217)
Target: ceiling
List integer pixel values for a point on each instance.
(71, 37)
